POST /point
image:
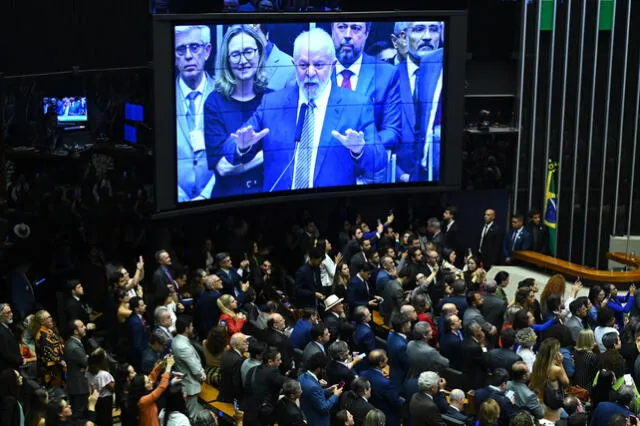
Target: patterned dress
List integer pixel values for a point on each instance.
(49, 350)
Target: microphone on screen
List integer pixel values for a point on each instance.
(296, 140)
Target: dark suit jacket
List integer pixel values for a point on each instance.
(439, 240)
(139, 340)
(424, 411)
(384, 396)
(502, 358)
(493, 310)
(338, 327)
(357, 406)
(159, 287)
(451, 348)
(207, 312)
(507, 409)
(10, 356)
(452, 237)
(379, 83)
(335, 165)
(75, 309)
(605, 410)
(398, 361)
(231, 380)
(491, 249)
(230, 280)
(427, 81)
(475, 364)
(364, 341)
(76, 358)
(280, 341)
(306, 286)
(452, 412)
(523, 242)
(337, 372)
(359, 293)
(289, 414)
(356, 262)
(406, 150)
(539, 237)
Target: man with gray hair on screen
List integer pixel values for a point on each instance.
(193, 85)
(427, 404)
(328, 141)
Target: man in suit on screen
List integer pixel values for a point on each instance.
(278, 68)
(375, 79)
(429, 113)
(193, 85)
(314, 134)
(419, 38)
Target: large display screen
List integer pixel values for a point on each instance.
(299, 106)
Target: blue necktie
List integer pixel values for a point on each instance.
(302, 168)
(191, 109)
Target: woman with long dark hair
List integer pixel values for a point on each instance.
(175, 411)
(142, 407)
(11, 409)
(101, 380)
(213, 348)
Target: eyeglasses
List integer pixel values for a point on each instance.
(303, 66)
(248, 54)
(194, 48)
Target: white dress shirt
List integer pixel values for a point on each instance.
(412, 70)
(319, 113)
(354, 68)
(199, 101)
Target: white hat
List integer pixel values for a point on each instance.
(332, 301)
(22, 231)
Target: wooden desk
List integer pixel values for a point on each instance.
(624, 258)
(574, 269)
(378, 320)
(208, 394)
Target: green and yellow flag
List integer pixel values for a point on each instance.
(550, 206)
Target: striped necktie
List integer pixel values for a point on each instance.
(302, 168)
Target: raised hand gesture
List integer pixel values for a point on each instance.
(246, 137)
(353, 140)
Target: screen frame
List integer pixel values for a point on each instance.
(165, 122)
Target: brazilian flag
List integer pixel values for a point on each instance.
(551, 206)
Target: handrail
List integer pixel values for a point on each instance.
(574, 269)
(624, 258)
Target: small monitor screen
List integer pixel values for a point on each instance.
(134, 112)
(130, 133)
(288, 107)
(69, 109)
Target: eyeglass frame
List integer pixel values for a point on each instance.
(191, 48)
(237, 54)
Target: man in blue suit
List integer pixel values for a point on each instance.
(364, 340)
(207, 311)
(419, 38)
(516, 239)
(384, 395)
(316, 402)
(497, 391)
(314, 134)
(370, 77)
(138, 331)
(193, 86)
(606, 409)
(428, 115)
(397, 348)
(359, 291)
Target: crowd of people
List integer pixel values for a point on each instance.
(382, 328)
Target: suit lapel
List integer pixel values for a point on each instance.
(331, 122)
(182, 113)
(286, 135)
(365, 79)
(406, 95)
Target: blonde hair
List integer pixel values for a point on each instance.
(544, 360)
(489, 413)
(586, 340)
(36, 321)
(223, 303)
(225, 81)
